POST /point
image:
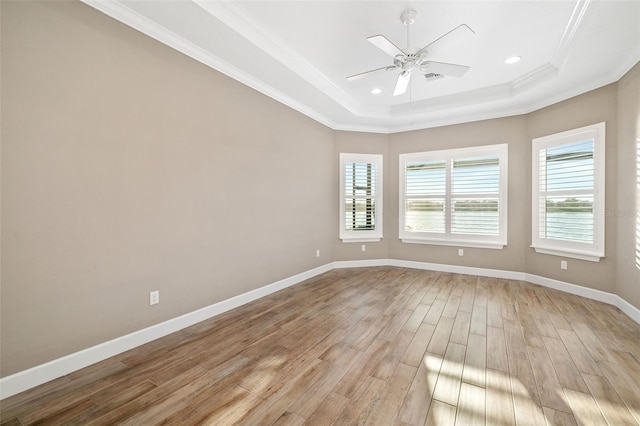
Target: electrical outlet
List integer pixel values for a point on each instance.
(154, 297)
(317, 253)
(563, 264)
(460, 252)
(363, 247)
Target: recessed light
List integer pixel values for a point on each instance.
(512, 60)
(376, 91)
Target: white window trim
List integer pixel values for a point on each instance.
(591, 252)
(465, 240)
(375, 235)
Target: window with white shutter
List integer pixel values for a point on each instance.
(360, 197)
(637, 212)
(455, 197)
(568, 193)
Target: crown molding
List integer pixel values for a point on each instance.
(120, 12)
(481, 104)
(562, 49)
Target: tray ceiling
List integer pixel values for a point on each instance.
(300, 53)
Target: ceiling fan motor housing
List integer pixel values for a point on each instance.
(408, 17)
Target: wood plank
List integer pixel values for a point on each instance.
(388, 363)
(416, 318)
(628, 390)
(494, 314)
(516, 345)
(549, 387)
(475, 361)
(115, 400)
(392, 328)
(65, 413)
(526, 402)
(590, 341)
(579, 354)
(441, 414)
(440, 339)
(479, 320)
(499, 400)
(497, 350)
(460, 331)
(350, 382)
(558, 418)
(226, 407)
(418, 346)
(532, 335)
(359, 408)
(468, 296)
(386, 409)
(630, 363)
(311, 395)
(567, 372)
(289, 419)
(471, 406)
(611, 405)
(447, 387)
(435, 312)
(451, 307)
(418, 400)
(150, 399)
(328, 410)
(585, 410)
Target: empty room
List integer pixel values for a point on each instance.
(320, 212)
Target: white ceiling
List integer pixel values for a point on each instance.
(300, 53)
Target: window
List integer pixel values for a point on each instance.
(360, 197)
(455, 197)
(568, 193)
(637, 212)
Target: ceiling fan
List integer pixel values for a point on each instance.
(412, 60)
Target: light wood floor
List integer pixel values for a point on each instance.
(381, 346)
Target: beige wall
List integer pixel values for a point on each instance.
(366, 143)
(627, 214)
(511, 131)
(128, 167)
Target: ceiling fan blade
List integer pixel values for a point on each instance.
(452, 70)
(402, 83)
(452, 36)
(364, 74)
(383, 43)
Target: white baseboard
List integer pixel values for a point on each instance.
(43, 373)
(626, 307)
(46, 372)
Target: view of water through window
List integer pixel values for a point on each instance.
(567, 185)
(474, 205)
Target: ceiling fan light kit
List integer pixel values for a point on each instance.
(412, 59)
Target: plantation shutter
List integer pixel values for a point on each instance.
(425, 196)
(566, 182)
(475, 196)
(360, 195)
(455, 197)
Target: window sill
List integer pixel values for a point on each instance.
(361, 240)
(459, 243)
(591, 257)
